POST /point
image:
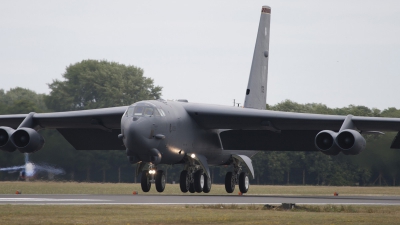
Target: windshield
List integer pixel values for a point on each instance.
(143, 110)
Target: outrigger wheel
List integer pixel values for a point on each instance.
(145, 181)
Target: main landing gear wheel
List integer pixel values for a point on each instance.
(207, 184)
(160, 181)
(230, 182)
(191, 188)
(198, 181)
(243, 182)
(184, 182)
(145, 181)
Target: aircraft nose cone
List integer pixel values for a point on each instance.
(137, 134)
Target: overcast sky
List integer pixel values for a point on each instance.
(332, 52)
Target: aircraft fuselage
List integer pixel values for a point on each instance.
(165, 130)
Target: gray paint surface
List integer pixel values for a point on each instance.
(256, 93)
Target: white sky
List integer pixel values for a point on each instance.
(332, 52)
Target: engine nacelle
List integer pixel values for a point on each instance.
(325, 142)
(350, 142)
(27, 140)
(5, 139)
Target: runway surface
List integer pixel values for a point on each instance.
(194, 199)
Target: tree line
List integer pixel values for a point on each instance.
(93, 84)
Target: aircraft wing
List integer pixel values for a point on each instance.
(253, 129)
(220, 117)
(95, 129)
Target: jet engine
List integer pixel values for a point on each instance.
(325, 142)
(5, 143)
(348, 141)
(27, 140)
(351, 142)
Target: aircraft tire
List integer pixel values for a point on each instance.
(160, 181)
(184, 181)
(207, 184)
(229, 182)
(191, 188)
(244, 182)
(198, 181)
(145, 181)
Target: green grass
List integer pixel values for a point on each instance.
(39, 187)
(190, 214)
(104, 214)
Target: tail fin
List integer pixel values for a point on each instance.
(256, 93)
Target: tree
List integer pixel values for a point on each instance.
(94, 84)
(20, 100)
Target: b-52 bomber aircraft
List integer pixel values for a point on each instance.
(158, 132)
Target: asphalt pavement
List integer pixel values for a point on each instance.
(139, 199)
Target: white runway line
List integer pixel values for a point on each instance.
(49, 200)
(199, 204)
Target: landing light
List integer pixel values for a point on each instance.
(152, 171)
(193, 156)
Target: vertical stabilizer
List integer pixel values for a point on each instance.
(256, 93)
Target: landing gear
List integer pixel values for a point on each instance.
(151, 176)
(230, 182)
(191, 188)
(243, 182)
(160, 181)
(184, 181)
(194, 178)
(207, 184)
(237, 176)
(145, 181)
(198, 181)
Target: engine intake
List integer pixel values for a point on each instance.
(27, 140)
(5, 143)
(325, 142)
(351, 142)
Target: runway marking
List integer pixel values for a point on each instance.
(48, 200)
(274, 203)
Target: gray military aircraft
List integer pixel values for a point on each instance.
(158, 132)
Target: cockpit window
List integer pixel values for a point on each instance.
(148, 111)
(138, 110)
(156, 113)
(129, 113)
(143, 110)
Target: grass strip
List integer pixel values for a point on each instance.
(40, 187)
(222, 214)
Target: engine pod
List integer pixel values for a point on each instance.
(5, 139)
(325, 142)
(350, 142)
(27, 140)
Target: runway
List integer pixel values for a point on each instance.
(194, 199)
